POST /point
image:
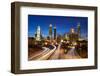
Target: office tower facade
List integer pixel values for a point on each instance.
(38, 34)
(78, 30)
(50, 31)
(54, 32)
(66, 36)
(35, 34)
(73, 36)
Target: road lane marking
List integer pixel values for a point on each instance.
(46, 56)
(45, 50)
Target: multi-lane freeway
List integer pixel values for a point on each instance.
(55, 53)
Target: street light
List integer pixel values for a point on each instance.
(61, 40)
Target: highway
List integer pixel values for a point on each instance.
(71, 54)
(44, 51)
(55, 53)
(44, 55)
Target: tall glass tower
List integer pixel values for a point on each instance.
(50, 31)
(78, 30)
(55, 32)
(38, 33)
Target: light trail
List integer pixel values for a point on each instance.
(47, 55)
(37, 55)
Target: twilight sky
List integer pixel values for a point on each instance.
(62, 23)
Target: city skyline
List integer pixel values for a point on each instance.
(63, 24)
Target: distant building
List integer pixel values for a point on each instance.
(78, 31)
(35, 35)
(38, 34)
(73, 36)
(59, 38)
(54, 32)
(50, 31)
(66, 36)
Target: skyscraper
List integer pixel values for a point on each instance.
(38, 34)
(35, 34)
(72, 30)
(54, 32)
(73, 36)
(78, 30)
(50, 31)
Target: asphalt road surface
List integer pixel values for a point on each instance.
(71, 54)
(55, 53)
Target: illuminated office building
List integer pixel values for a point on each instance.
(38, 34)
(55, 32)
(50, 31)
(78, 30)
(73, 36)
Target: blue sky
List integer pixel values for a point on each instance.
(62, 23)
